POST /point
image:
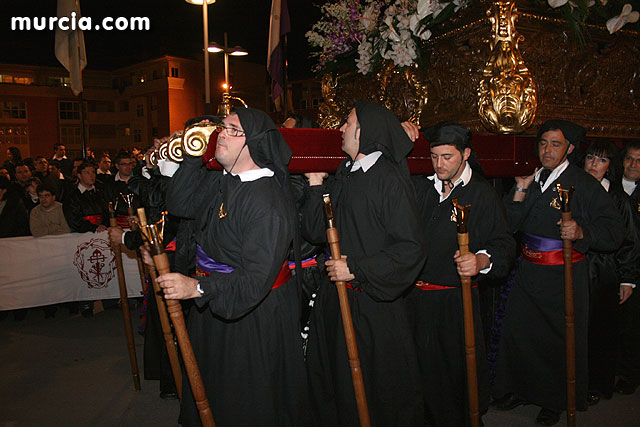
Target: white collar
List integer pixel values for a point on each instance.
(553, 176)
(59, 158)
(606, 184)
(629, 186)
(252, 174)
(119, 178)
(366, 162)
(82, 188)
(464, 179)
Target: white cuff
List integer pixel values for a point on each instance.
(123, 237)
(488, 269)
(145, 172)
(633, 286)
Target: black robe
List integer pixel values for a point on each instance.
(531, 358)
(79, 205)
(113, 191)
(438, 316)
(606, 271)
(381, 235)
(245, 335)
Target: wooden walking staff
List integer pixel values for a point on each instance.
(124, 304)
(128, 198)
(347, 322)
(154, 236)
(164, 318)
(564, 196)
(462, 219)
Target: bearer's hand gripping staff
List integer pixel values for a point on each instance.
(128, 199)
(462, 220)
(153, 234)
(124, 303)
(347, 322)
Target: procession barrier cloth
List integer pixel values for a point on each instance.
(37, 271)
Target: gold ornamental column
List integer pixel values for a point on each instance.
(507, 99)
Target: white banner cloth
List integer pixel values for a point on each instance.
(37, 271)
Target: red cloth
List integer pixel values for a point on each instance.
(94, 219)
(550, 257)
(283, 276)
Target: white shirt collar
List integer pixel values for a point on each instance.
(553, 176)
(59, 158)
(366, 162)
(629, 186)
(119, 178)
(606, 184)
(252, 174)
(464, 179)
(82, 188)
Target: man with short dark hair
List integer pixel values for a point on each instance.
(14, 218)
(60, 154)
(436, 300)
(104, 165)
(85, 208)
(628, 367)
(531, 359)
(117, 186)
(47, 218)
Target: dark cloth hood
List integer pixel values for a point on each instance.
(267, 147)
(380, 130)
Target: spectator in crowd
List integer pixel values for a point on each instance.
(77, 162)
(5, 172)
(104, 165)
(58, 182)
(30, 195)
(41, 167)
(47, 218)
(14, 220)
(13, 158)
(89, 154)
(60, 154)
(22, 181)
(118, 185)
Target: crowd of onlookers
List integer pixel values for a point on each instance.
(33, 191)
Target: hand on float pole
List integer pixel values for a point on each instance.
(347, 322)
(138, 257)
(569, 316)
(124, 304)
(164, 319)
(177, 318)
(467, 308)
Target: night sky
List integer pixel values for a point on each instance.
(176, 29)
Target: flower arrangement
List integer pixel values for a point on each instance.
(373, 30)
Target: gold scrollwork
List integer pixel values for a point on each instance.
(329, 114)
(507, 99)
(417, 96)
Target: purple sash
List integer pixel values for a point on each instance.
(206, 263)
(540, 244)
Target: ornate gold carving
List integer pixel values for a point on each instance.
(507, 99)
(221, 212)
(329, 116)
(406, 86)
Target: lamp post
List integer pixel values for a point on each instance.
(223, 109)
(205, 24)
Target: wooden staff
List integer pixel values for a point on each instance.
(177, 318)
(462, 214)
(124, 304)
(347, 322)
(164, 319)
(569, 318)
(128, 198)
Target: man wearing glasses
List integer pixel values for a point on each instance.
(118, 185)
(244, 322)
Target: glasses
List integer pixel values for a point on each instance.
(231, 131)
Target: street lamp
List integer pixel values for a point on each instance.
(205, 24)
(223, 108)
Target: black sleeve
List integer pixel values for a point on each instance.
(133, 239)
(73, 214)
(628, 256)
(190, 187)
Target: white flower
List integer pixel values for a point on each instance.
(364, 61)
(557, 3)
(404, 54)
(626, 16)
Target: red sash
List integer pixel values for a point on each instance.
(171, 247)
(93, 219)
(424, 286)
(283, 276)
(549, 257)
(123, 221)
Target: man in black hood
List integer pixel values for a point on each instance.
(244, 326)
(382, 240)
(531, 359)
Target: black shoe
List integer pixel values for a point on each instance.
(508, 402)
(547, 417)
(593, 397)
(168, 395)
(624, 386)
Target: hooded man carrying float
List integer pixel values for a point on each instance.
(382, 240)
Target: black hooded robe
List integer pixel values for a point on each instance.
(531, 358)
(438, 315)
(245, 335)
(381, 235)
